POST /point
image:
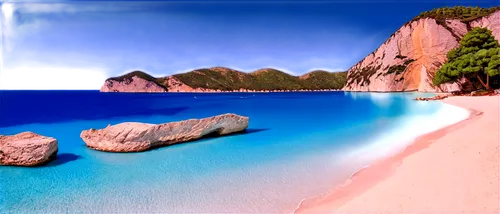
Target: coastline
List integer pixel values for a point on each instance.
(208, 91)
(368, 183)
(220, 91)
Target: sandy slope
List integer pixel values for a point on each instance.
(453, 170)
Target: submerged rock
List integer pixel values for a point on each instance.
(136, 137)
(27, 149)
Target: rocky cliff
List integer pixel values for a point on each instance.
(136, 81)
(408, 60)
(134, 84)
(221, 79)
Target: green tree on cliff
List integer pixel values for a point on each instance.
(457, 12)
(477, 58)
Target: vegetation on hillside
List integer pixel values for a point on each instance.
(140, 74)
(265, 79)
(463, 13)
(272, 79)
(220, 78)
(362, 76)
(476, 59)
(325, 80)
(398, 69)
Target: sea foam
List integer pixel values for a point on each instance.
(405, 130)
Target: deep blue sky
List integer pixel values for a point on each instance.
(77, 44)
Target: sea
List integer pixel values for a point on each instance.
(298, 145)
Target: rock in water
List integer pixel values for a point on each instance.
(27, 149)
(136, 137)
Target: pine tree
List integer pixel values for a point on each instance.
(477, 57)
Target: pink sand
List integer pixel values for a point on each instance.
(453, 170)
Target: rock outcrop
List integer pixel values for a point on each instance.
(437, 97)
(491, 22)
(27, 149)
(408, 60)
(133, 82)
(136, 137)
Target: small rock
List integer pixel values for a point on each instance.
(437, 97)
(27, 149)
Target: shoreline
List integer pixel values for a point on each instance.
(369, 176)
(273, 91)
(222, 92)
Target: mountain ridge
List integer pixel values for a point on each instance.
(218, 79)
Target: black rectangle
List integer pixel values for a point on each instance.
(57, 75)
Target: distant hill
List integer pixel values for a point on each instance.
(225, 79)
(322, 79)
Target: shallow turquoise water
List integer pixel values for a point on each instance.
(299, 145)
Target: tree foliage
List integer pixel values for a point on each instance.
(477, 58)
(457, 12)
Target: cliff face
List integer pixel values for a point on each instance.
(134, 84)
(491, 22)
(408, 60)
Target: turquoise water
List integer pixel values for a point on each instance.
(298, 145)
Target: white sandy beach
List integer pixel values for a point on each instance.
(452, 170)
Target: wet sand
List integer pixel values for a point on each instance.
(451, 170)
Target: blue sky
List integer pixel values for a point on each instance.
(78, 44)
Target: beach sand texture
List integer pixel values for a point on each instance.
(452, 170)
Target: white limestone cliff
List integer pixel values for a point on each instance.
(134, 84)
(414, 53)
